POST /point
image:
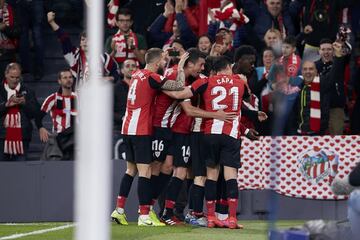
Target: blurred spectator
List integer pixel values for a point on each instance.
(227, 16)
(320, 20)
(76, 57)
(62, 108)
(313, 107)
(180, 28)
(284, 97)
(289, 59)
(18, 106)
(120, 97)
(264, 86)
(126, 44)
(204, 44)
(274, 40)
(9, 34)
(271, 14)
(32, 15)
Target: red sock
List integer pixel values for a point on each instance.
(169, 204)
(210, 205)
(233, 203)
(144, 209)
(120, 202)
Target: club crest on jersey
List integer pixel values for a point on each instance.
(157, 154)
(186, 159)
(225, 80)
(317, 164)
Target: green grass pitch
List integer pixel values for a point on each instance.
(254, 230)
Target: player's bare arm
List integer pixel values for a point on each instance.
(192, 111)
(179, 83)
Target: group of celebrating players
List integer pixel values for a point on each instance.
(184, 124)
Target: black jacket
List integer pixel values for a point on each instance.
(30, 110)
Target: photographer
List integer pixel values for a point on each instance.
(18, 106)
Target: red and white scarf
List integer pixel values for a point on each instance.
(6, 13)
(315, 109)
(122, 51)
(291, 64)
(113, 7)
(13, 138)
(230, 13)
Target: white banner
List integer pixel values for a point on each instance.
(298, 166)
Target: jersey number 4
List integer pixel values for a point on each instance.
(222, 94)
(132, 92)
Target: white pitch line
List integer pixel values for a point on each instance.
(20, 235)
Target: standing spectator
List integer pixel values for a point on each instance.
(180, 28)
(272, 14)
(337, 94)
(313, 107)
(18, 106)
(120, 97)
(76, 57)
(274, 40)
(320, 20)
(289, 59)
(62, 108)
(32, 15)
(9, 34)
(126, 44)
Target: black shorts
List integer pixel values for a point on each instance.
(138, 149)
(197, 156)
(221, 149)
(161, 141)
(181, 150)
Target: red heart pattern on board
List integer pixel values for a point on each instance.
(273, 163)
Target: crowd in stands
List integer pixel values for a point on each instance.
(278, 36)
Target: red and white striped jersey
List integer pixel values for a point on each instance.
(221, 92)
(165, 105)
(180, 121)
(62, 110)
(138, 119)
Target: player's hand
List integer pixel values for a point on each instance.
(308, 29)
(182, 61)
(252, 134)
(51, 17)
(262, 116)
(226, 116)
(44, 134)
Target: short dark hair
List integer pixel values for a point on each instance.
(209, 65)
(194, 55)
(125, 12)
(221, 63)
(62, 71)
(244, 50)
(291, 40)
(205, 35)
(325, 41)
(178, 41)
(83, 34)
(152, 54)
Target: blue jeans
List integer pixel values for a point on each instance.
(354, 213)
(32, 14)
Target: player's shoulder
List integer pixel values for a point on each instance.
(171, 72)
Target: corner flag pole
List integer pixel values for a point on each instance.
(93, 135)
